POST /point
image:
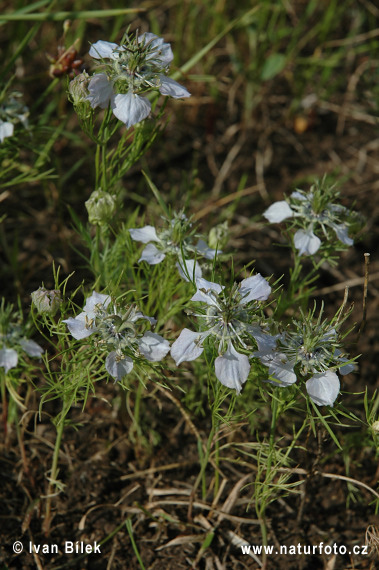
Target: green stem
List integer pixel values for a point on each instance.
(96, 265)
(217, 461)
(263, 526)
(53, 474)
(104, 182)
(4, 401)
(274, 417)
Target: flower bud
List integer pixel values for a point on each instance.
(45, 301)
(78, 93)
(218, 236)
(100, 207)
(375, 427)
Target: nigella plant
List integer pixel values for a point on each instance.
(231, 320)
(177, 240)
(311, 351)
(316, 214)
(140, 64)
(120, 331)
(13, 340)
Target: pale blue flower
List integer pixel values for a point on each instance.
(129, 108)
(84, 324)
(118, 331)
(279, 367)
(312, 210)
(176, 240)
(11, 339)
(140, 64)
(231, 319)
(310, 352)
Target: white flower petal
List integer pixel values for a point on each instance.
(306, 242)
(232, 369)
(342, 233)
(152, 255)
(187, 346)
(254, 288)
(79, 326)
(347, 368)
(192, 268)
(100, 91)
(8, 359)
(323, 388)
(144, 235)
(6, 130)
(139, 315)
(278, 211)
(130, 108)
(162, 51)
(266, 342)
(205, 250)
(344, 368)
(282, 370)
(93, 300)
(172, 88)
(104, 50)
(153, 346)
(116, 367)
(203, 288)
(303, 198)
(31, 348)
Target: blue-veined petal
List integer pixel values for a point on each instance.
(342, 233)
(100, 91)
(153, 346)
(281, 369)
(31, 348)
(152, 255)
(232, 368)
(323, 388)
(189, 267)
(118, 367)
(93, 300)
(306, 242)
(80, 327)
(205, 250)
(104, 50)
(172, 88)
(144, 235)
(204, 291)
(8, 359)
(139, 315)
(266, 342)
(6, 130)
(130, 108)
(188, 346)
(159, 49)
(278, 211)
(254, 288)
(302, 197)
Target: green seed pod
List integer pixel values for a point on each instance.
(219, 236)
(100, 207)
(45, 301)
(78, 93)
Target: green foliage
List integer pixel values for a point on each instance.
(105, 166)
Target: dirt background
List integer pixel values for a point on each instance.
(108, 477)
